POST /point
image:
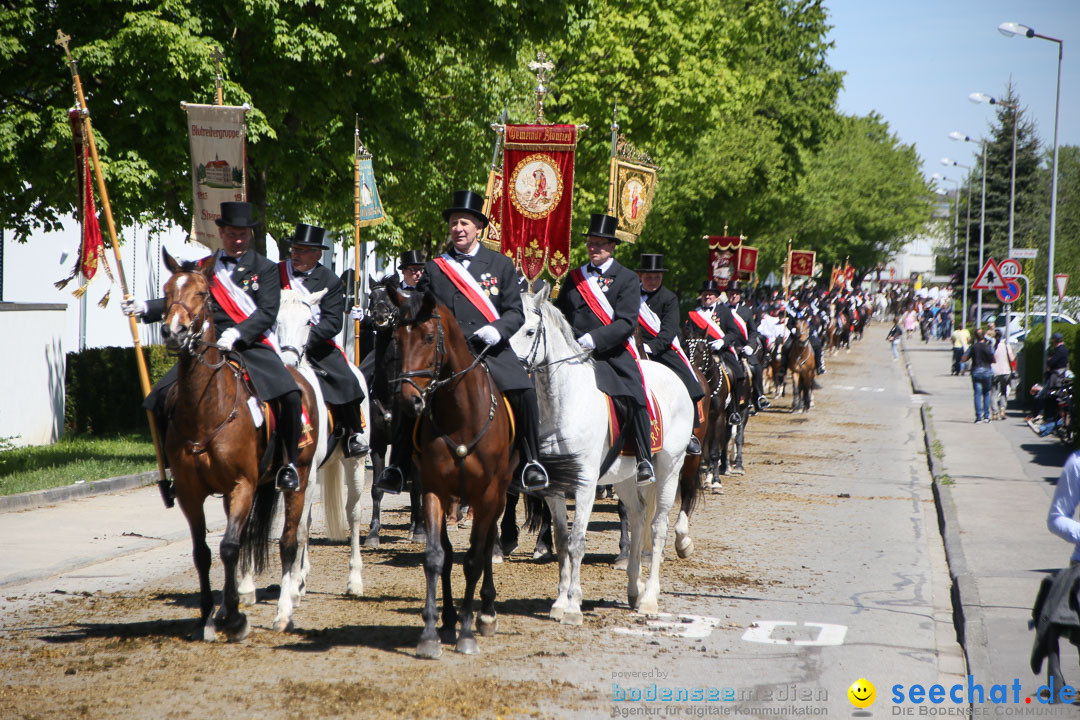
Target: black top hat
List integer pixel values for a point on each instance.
(410, 257)
(709, 286)
(311, 236)
(236, 214)
(734, 286)
(602, 226)
(651, 262)
(467, 201)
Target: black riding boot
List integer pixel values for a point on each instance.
(817, 357)
(642, 428)
(392, 478)
(289, 426)
(531, 475)
(353, 426)
(694, 446)
(757, 381)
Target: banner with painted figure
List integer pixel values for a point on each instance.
(218, 165)
(538, 189)
(802, 262)
(635, 186)
(371, 208)
(722, 262)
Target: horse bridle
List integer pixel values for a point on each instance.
(531, 365)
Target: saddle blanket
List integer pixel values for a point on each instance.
(656, 430)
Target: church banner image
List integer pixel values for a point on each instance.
(218, 165)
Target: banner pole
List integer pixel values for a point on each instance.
(490, 189)
(140, 361)
(787, 272)
(614, 162)
(219, 91)
(356, 237)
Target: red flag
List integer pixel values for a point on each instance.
(802, 262)
(538, 189)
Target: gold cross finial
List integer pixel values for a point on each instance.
(217, 56)
(62, 40)
(541, 65)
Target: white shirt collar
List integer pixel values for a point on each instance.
(606, 266)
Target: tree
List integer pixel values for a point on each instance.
(1067, 226)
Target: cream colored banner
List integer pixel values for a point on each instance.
(218, 165)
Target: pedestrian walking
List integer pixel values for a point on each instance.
(894, 338)
(1002, 376)
(961, 340)
(981, 355)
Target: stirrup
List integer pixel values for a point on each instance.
(734, 418)
(522, 479)
(385, 482)
(763, 402)
(288, 478)
(645, 473)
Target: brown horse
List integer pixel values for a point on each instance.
(801, 366)
(214, 447)
(465, 441)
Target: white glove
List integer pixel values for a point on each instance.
(133, 307)
(717, 345)
(587, 342)
(747, 350)
(357, 313)
(646, 348)
(488, 334)
(228, 339)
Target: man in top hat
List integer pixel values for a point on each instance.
(614, 290)
(743, 317)
(659, 320)
(340, 388)
(252, 284)
(411, 267)
(480, 288)
(714, 317)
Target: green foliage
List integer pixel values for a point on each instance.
(74, 459)
(102, 393)
(1033, 352)
(1067, 232)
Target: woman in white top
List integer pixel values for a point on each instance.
(1002, 376)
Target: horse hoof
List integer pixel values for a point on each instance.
(354, 589)
(509, 548)
(418, 537)
(247, 598)
(496, 555)
(429, 649)
(543, 555)
(572, 617)
(717, 489)
(283, 625)
(487, 627)
(467, 646)
(622, 561)
(557, 613)
(684, 547)
(371, 542)
(737, 471)
(632, 601)
(448, 634)
(651, 607)
(240, 631)
(204, 633)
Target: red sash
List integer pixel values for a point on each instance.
(467, 290)
(709, 328)
(225, 300)
(653, 332)
(741, 324)
(594, 303)
(283, 273)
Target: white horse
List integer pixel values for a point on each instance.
(573, 421)
(342, 516)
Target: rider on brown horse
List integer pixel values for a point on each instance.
(480, 287)
(246, 294)
(340, 388)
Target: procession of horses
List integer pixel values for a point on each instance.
(430, 386)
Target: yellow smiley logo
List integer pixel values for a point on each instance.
(862, 693)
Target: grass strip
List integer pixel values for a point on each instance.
(79, 458)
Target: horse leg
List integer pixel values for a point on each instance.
(508, 529)
(378, 462)
(237, 507)
(481, 545)
(418, 532)
(193, 511)
(487, 623)
(292, 547)
(557, 505)
(543, 552)
(434, 557)
(583, 504)
(354, 482)
(627, 490)
(624, 539)
(739, 431)
(1053, 661)
(660, 499)
(448, 631)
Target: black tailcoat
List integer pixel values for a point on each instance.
(665, 304)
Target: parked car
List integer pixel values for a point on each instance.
(1017, 331)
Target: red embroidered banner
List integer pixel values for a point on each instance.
(492, 237)
(748, 260)
(722, 250)
(802, 262)
(537, 196)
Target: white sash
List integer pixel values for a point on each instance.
(707, 317)
(741, 323)
(652, 321)
(297, 283)
(243, 301)
(466, 277)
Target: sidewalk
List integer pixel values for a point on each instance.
(995, 490)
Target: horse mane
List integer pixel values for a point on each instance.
(557, 323)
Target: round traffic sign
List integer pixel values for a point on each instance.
(1010, 292)
(1009, 268)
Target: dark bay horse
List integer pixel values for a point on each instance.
(718, 384)
(214, 447)
(801, 365)
(466, 452)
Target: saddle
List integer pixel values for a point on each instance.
(656, 429)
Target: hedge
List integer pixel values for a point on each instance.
(102, 394)
(1033, 352)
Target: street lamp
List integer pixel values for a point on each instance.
(1010, 29)
(979, 97)
(954, 135)
(967, 239)
(956, 213)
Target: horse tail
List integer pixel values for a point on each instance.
(690, 483)
(564, 473)
(332, 482)
(255, 540)
(534, 513)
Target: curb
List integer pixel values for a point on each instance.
(915, 387)
(52, 496)
(967, 607)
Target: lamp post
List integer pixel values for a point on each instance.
(982, 216)
(1010, 29)
(956, 212)
(967, 242)
(978, 97)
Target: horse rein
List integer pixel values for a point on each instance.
(531, 365)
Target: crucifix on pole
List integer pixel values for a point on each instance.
(541, 65)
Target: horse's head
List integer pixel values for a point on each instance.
(381, 308)
(421, 341)
(528, 343)
(294, 323)
(188, 307)
(802, 330)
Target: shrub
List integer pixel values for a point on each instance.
(103, 395)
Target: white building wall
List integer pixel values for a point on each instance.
(32, 373)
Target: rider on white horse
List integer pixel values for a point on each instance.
(304, 273)
(602, 302)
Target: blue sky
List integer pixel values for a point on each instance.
(915, 62)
